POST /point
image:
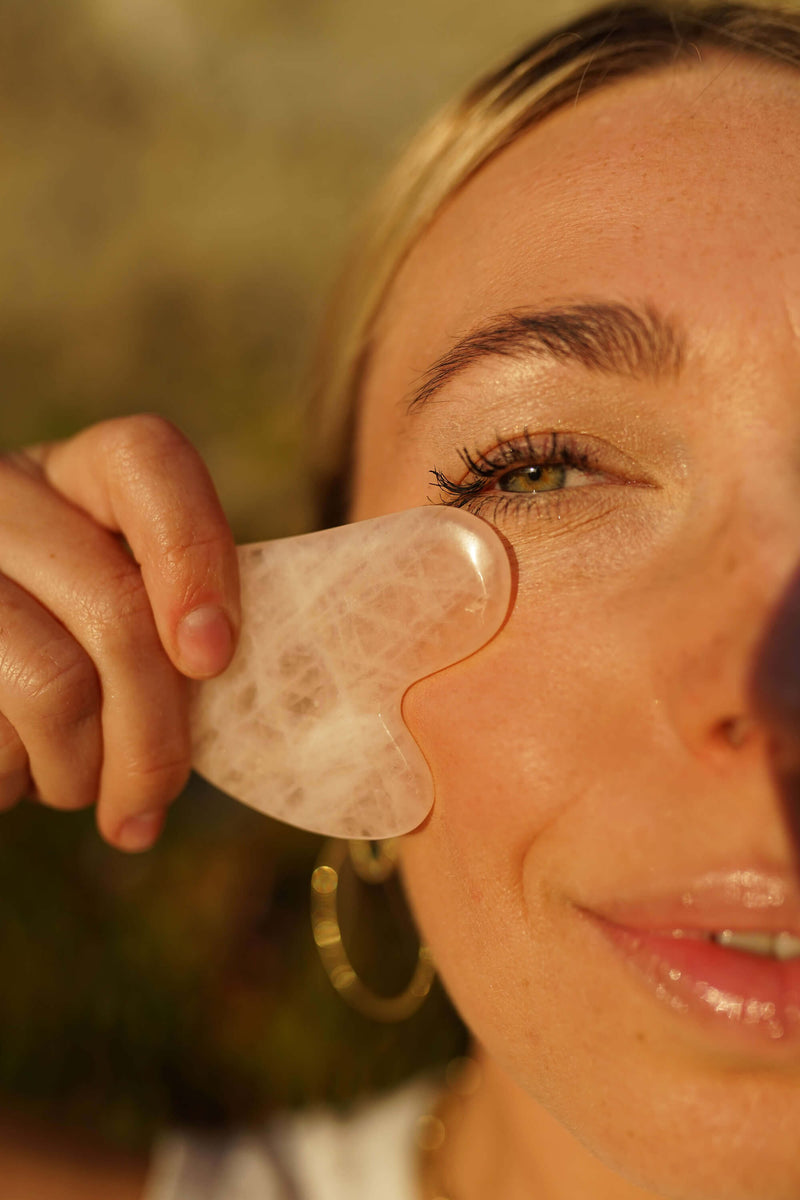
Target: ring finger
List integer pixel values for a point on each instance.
(50, 736)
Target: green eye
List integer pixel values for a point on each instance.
(534, 479)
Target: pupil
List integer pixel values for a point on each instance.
(532, 479)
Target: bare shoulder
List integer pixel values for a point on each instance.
(36, 1162)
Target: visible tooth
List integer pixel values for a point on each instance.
(786, 946)
(752, 941)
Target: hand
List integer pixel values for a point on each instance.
(97, 640)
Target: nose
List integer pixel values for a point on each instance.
(734, 671)
(775, 678)
(775, 698)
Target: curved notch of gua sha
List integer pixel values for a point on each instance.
(306, 723)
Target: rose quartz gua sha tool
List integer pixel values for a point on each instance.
(306, 723)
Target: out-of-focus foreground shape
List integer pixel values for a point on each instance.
(306, 723)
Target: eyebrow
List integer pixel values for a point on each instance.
(621, 339)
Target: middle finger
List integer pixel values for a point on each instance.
(92, 586)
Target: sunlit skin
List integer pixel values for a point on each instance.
(583, 755)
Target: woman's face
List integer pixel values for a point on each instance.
(604, 763)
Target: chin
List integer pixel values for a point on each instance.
(691, 1131)
(700, 1162)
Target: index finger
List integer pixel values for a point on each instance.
(140, 477)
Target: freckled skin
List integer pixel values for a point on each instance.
(582, 754)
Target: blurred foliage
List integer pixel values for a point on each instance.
(179, 180)
(183, 985)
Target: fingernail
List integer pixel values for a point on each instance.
(205, 641)
(139, 833)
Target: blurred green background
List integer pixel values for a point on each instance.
(179, 180)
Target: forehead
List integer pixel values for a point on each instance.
(680, 185)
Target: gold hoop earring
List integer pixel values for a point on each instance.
(373, 862)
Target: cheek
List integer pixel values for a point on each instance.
(516, 738)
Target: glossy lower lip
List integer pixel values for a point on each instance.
(732, 994)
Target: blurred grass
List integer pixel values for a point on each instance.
(179, 180)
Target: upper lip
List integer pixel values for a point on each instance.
(745, 898)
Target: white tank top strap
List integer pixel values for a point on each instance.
(317, 1154)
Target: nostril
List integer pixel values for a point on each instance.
(737, 730)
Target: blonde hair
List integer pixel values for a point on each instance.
(605, 45)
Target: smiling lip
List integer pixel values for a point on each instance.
(741, 996)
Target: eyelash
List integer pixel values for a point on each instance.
(549, 450)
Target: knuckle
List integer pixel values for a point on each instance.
(128, 441)
(158, 777)
(118, 613)
(60, 679)
(207, 547)
(121, 597)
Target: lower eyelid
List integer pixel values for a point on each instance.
(494, 506)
